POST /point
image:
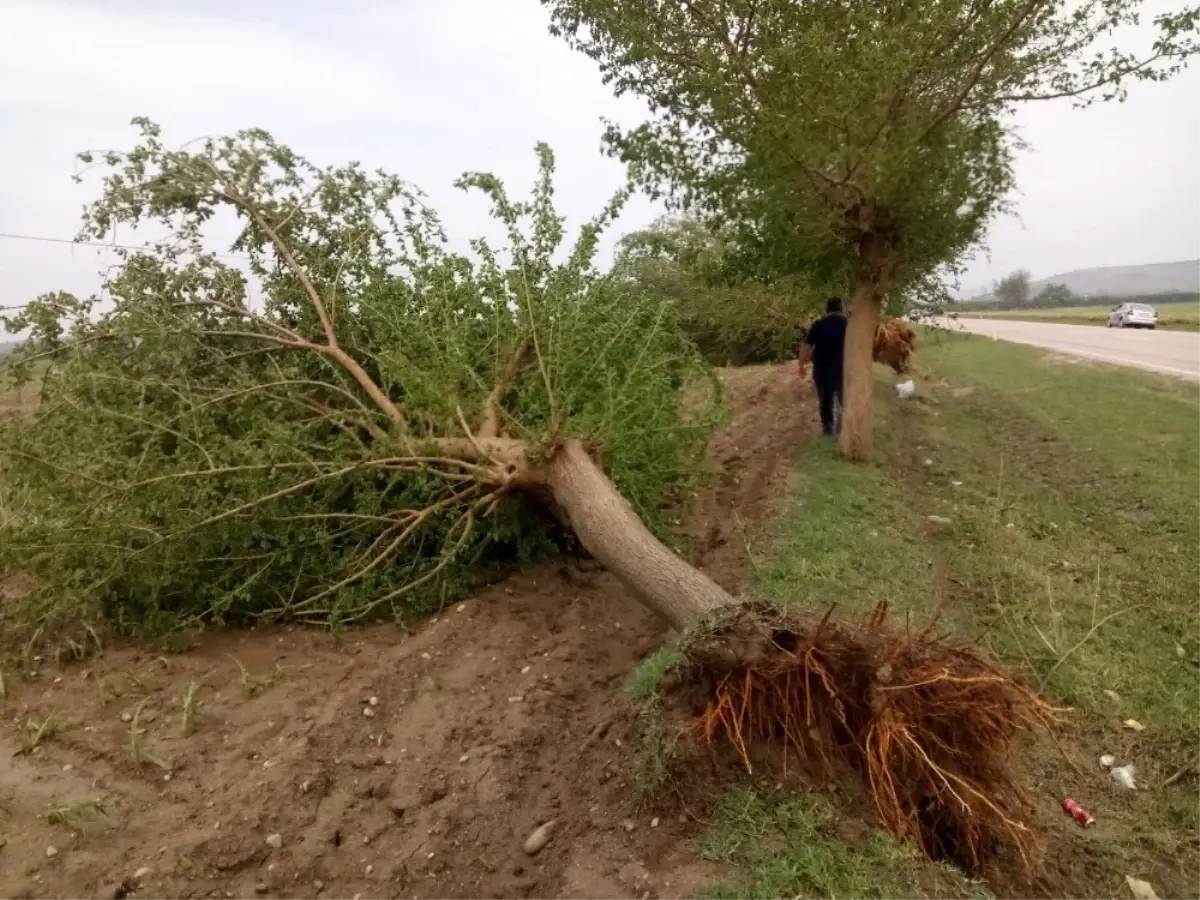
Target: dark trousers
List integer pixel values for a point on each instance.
(829, 398)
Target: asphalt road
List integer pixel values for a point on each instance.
(1170, 352)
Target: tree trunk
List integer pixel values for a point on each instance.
(609, 528)
(858, 384)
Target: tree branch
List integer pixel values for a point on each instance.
(1111, 78)
(410, 526)
(330, 348)
(489, 423)
(956, 102)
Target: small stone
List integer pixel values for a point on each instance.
(515, 699)
(1180, 652)
(654, 822)
(368, 712)
(374, 701)
(525, 670)
(956, 483)
(1134, 725)
(274, 841)
(67, 767)
(141, 873)
(261, 887)
(117, 890)
(464, 757)
(126, 717)
(426, 656)
(369, 869)
(629, 825)
(539, 838)
(940, 521)
(929, 462)
(318, 885)
(51, 852)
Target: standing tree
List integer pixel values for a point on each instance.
(1013, 290)
(1054, 295)
(866, 140)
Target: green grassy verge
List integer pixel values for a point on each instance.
(1072, 551)
(789, 846)
(1183, 316)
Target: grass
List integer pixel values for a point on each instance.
(139, 750)
(254, 684)
(1177, 316)
(789, 846)
(38, 731)
(190, 709)
(76, 816)
(1072, 552)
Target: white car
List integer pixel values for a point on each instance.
(1133, 315)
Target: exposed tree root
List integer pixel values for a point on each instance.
(928, 725)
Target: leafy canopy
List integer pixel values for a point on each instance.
(296, 432)
(1013, 289)
(861, 140)
(731, 321)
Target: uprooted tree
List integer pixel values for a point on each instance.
(358, 420)
(864, 142)
(355, 422)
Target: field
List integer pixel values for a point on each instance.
(1174, 316)
(384, 762)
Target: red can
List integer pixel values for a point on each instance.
(1078, 813)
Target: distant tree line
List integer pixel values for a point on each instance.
(1014, 292)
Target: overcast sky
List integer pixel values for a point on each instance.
(430, 88)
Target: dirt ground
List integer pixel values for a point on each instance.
(381, 763)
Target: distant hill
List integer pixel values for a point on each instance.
(1129, 281)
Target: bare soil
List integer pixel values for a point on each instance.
(382, 763)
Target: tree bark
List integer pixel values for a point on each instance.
(609, 528)
(858, 372)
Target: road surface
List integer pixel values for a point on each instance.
(1170, 352)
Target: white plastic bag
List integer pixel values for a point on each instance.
(906, 389)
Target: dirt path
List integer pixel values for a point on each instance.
(384, 764)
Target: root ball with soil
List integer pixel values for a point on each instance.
(928, 725)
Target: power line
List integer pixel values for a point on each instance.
(98, 244)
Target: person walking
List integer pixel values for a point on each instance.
(824, 346)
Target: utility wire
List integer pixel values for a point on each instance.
(100, 245)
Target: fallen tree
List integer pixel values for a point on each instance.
(358, 422)
(354, 420)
